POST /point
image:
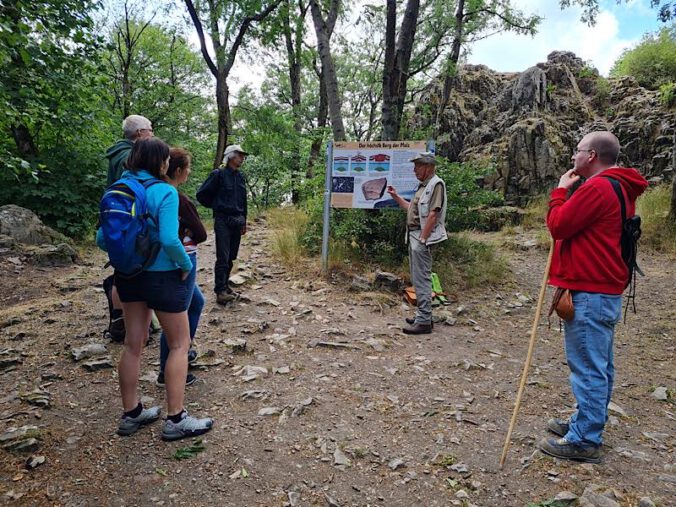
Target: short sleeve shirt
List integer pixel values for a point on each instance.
(436, 203)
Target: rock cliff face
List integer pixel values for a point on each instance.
(527, 124)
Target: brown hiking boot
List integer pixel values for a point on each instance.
(418, 329)
(563, 449)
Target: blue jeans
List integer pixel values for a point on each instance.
(194, 312)
(589, 352)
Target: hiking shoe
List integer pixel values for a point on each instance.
(418, 329)
(130, 425)
(563, 449)
(411, 320)
(224, 297)
(189, 380)
(188, 427)
(558, 427)
(192, 356)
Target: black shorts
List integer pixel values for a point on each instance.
(163, 291)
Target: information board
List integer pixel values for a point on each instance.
(361, 172)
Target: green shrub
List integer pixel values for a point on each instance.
(587, 71)
(65, 195)
(602, 93)
(653, 61)
(668, 94)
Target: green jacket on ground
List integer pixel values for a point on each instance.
(117, 155)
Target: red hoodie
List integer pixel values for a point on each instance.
(587, 229)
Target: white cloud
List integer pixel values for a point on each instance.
(561, 30)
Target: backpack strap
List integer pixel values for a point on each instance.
(631, 296)
(147, 184)
(618, 192)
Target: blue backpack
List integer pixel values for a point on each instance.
(124, 216)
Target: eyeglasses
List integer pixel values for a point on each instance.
(149, 130)
(578, 150)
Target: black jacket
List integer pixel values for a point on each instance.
(224, 191)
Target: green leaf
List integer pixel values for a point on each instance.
(192, 450)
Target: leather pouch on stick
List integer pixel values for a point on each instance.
(562, 304)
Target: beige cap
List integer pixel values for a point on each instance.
(426, 157)
(234, 148)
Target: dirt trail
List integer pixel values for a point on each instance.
(415, 420)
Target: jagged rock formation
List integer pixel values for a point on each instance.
(527, 124)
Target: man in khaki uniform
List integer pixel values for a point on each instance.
(425, 223)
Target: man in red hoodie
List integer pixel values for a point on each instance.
(587, 227)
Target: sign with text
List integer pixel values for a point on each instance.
(361, 172)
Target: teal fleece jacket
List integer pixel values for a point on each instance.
(163, 206)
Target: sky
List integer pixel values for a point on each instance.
(618, 27)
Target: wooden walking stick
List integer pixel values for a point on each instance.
(529, 356)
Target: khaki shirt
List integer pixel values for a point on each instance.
(436, 203)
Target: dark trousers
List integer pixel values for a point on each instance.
(227, 248)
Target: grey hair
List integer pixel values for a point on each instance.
(226, 158)
(134, 122)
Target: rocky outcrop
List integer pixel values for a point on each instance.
(526, 124)
(21, 231)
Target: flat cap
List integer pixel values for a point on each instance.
(426, 157)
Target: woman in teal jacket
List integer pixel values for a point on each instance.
(163, 287)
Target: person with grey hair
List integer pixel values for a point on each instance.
(224, 191)
(134, 127)
(425, 222)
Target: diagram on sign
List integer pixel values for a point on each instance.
(358, 164)
(341, 164)
(379, 163)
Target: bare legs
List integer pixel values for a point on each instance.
(177, 330)
(137, 319)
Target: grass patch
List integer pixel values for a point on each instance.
(659, 231)
(288, 226)
(462, 262)
(535, 213)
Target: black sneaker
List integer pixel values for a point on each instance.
(411, 321)
(116, 330)
(192, 356)
(189, 380)
(563, 449)
(558, 427)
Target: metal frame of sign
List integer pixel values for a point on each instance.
(431, 146)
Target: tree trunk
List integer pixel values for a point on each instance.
(322, 117)
(395, 78)
(24, 142)
(329, 70)
(293, 59)
(451, 64)
(223, 104)
(389, 119)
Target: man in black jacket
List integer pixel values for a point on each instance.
(225, 192)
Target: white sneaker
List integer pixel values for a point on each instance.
(189, 426)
